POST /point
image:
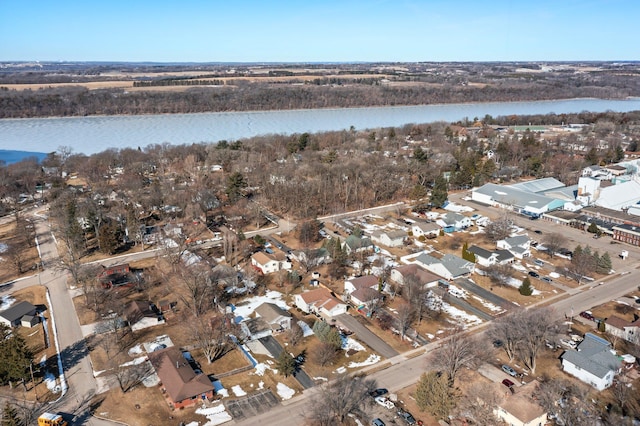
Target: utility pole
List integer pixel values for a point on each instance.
(35, 388)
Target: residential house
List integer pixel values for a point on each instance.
(627, 330)
(594, 362)
(12, 316)
(269, 263)
(595, 171)
(454, 220)
(256, 328)
(277, 318)
(504, 257)
(483, 257)
(519, 246)
(354, 244)
(119, 275)
(387, 238)
(520, 407)
(140, 315)
(426, 278)
(362, 290)
(448, 266)
(182, 386)
(321, 302)
(425, 229)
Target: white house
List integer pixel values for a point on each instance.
(519, 246)
(389, 238)
(425, 229)
(457, 220)
(483, 256)
(629, 331)
(268, 264)
(321, 302)
(449, 266)
(594, 362)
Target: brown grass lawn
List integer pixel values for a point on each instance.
(408, 402)
(28, 255)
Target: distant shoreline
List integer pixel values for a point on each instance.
(10, 156)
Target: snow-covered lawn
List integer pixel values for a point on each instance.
(215, 415)
(461, 317)
(238, 391)
(247, 306)
(261, 368)
(285, 391)
(373, 358)
(135, 361)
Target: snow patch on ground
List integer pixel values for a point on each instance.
(373, 358)
(261, 368)
(341, 370)
(247, 306)
(238, 391)
(6, 302)
(50, 381)
(136, 361)
(351, 344)
(285, 391)
(461, 317)
(324, 379)
(489, 305)
(136, 350)
(306, 330)
(215, 415)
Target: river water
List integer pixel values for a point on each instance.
(95, 134)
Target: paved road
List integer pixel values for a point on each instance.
(367, 336)
(274, 348)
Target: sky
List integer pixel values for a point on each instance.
(319, 30)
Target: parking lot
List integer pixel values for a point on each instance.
(251, 405)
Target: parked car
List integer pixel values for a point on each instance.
(568, 343)
(385, 402)
(534, 274)
(377, 422)
(588, 315)
(407, 417)
(537, 231)
(378, 392)
(547, 279)
(510, 371)
(508, 383)
(538, 262)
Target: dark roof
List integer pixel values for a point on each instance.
(177, 376)
(480, 252)
(17, 311)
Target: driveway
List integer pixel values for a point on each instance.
(469, 285)
(496, 375)
(252, 405)
(274, 348)
(367, 336)
(463, 304)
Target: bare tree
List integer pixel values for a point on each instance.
(344, 396)
(524, 333)
(500, 274)
(554, 242)
(566, 400)
(582, 264)
(129, 376)
(500, 228)
(457, 352)
(295, 334)
(406, 317)
(16, 255)
(213, 335)
(477, 404)
(325, 354)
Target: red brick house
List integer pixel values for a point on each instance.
(116, 276)
(182, 386)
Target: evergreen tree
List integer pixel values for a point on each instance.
(466, 254)
(604, 265)
(433, 395)
(593, 228)
(285, 364)
(235, 183)
(526, 289)
(15, 355)
(596, 262)
(439, 194)
(10, 416)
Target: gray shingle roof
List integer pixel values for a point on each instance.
(594, 356)
(17, 311)
(480, 252)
